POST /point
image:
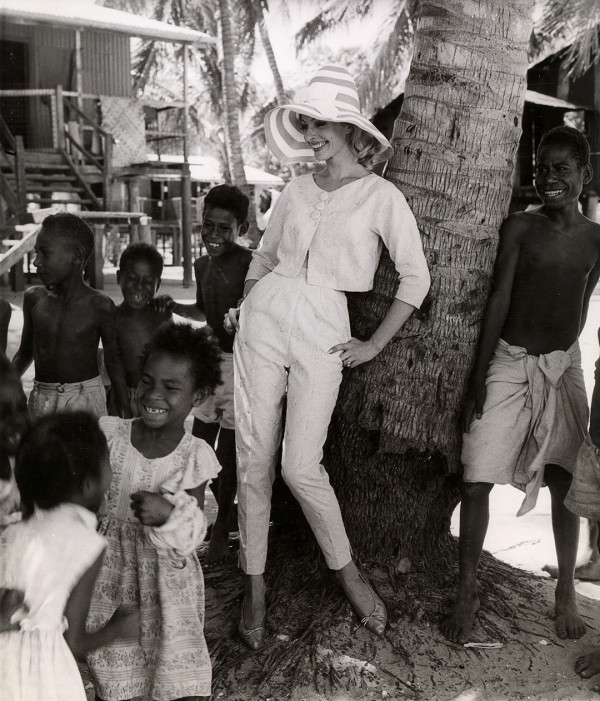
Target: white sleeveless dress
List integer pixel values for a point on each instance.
(44, 556)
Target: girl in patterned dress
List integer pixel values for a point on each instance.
(49, 561)
(153, 524)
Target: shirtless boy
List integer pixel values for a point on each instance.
(220, 276)
(140, 269)
(526, 410)
(63, 323)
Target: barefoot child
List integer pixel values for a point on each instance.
(140, 268)
(526, 408)
(220, 276)
(583, 499)
(63, 323)
(49, 561)
(153, 523)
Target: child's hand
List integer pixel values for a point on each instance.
(126, 623)
(150, 509)
(163, 303)
(473, 406)
(11, 600)
(231, 322)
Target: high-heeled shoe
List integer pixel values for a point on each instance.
(376, 621)
(253, 637)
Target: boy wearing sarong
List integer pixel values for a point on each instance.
(583, 499)
(63, 323)
(525, 414)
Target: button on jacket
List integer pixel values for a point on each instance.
(342, 233)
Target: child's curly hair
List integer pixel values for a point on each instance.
(55, 455)
(193, 344)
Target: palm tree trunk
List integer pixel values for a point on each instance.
(270, 54)
(233, 139)
(394, 446)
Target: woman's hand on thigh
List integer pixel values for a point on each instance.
(355, 352)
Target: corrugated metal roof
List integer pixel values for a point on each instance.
(539, 98)
(77, 14)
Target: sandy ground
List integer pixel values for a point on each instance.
(533, 664)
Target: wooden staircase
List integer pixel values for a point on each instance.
(52, 179)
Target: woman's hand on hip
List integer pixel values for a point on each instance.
(355, 352)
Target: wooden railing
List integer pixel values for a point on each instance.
(62, 107)
(102, 161)
(16, 198)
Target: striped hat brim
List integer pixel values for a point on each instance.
(286, 141)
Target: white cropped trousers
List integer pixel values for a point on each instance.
(286, 328)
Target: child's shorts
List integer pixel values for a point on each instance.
(583, 497)
(51, 397)
(218, 407)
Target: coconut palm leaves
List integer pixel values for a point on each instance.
(576, 23)
(390, 54)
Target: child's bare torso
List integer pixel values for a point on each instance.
(66, 334)
(551, 283)
(134, 328)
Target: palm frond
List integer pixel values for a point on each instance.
(335, 13)
(577, 22)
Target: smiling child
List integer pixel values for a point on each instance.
(220, 275)
(525, 414)
(140, 269)
(64, 321)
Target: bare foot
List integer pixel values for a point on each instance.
(569, 623)
(588, 665)
(218, 549)
(457, 627)
(552, 570)
(589, 572)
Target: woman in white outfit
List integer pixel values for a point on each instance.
(324, 238)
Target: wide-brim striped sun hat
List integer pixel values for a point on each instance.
(331, 96)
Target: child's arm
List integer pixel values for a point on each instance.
(198, 494)
(123, 624)
(152, 509)
(166, 303)
(24, 356)
(194, 310)
(595, 409)
(112, 359)
(593, 278)
(5, 314)
(11, 600)
(497, 307)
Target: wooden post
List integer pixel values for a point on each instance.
(20, 178)
(133, 196)
(78, 71)
(186, 185)
(97, 262)
(107, 173)
(60, 118)
(146, 231)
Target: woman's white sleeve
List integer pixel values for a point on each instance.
(397, 227)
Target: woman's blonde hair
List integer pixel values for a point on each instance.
(364, 145)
